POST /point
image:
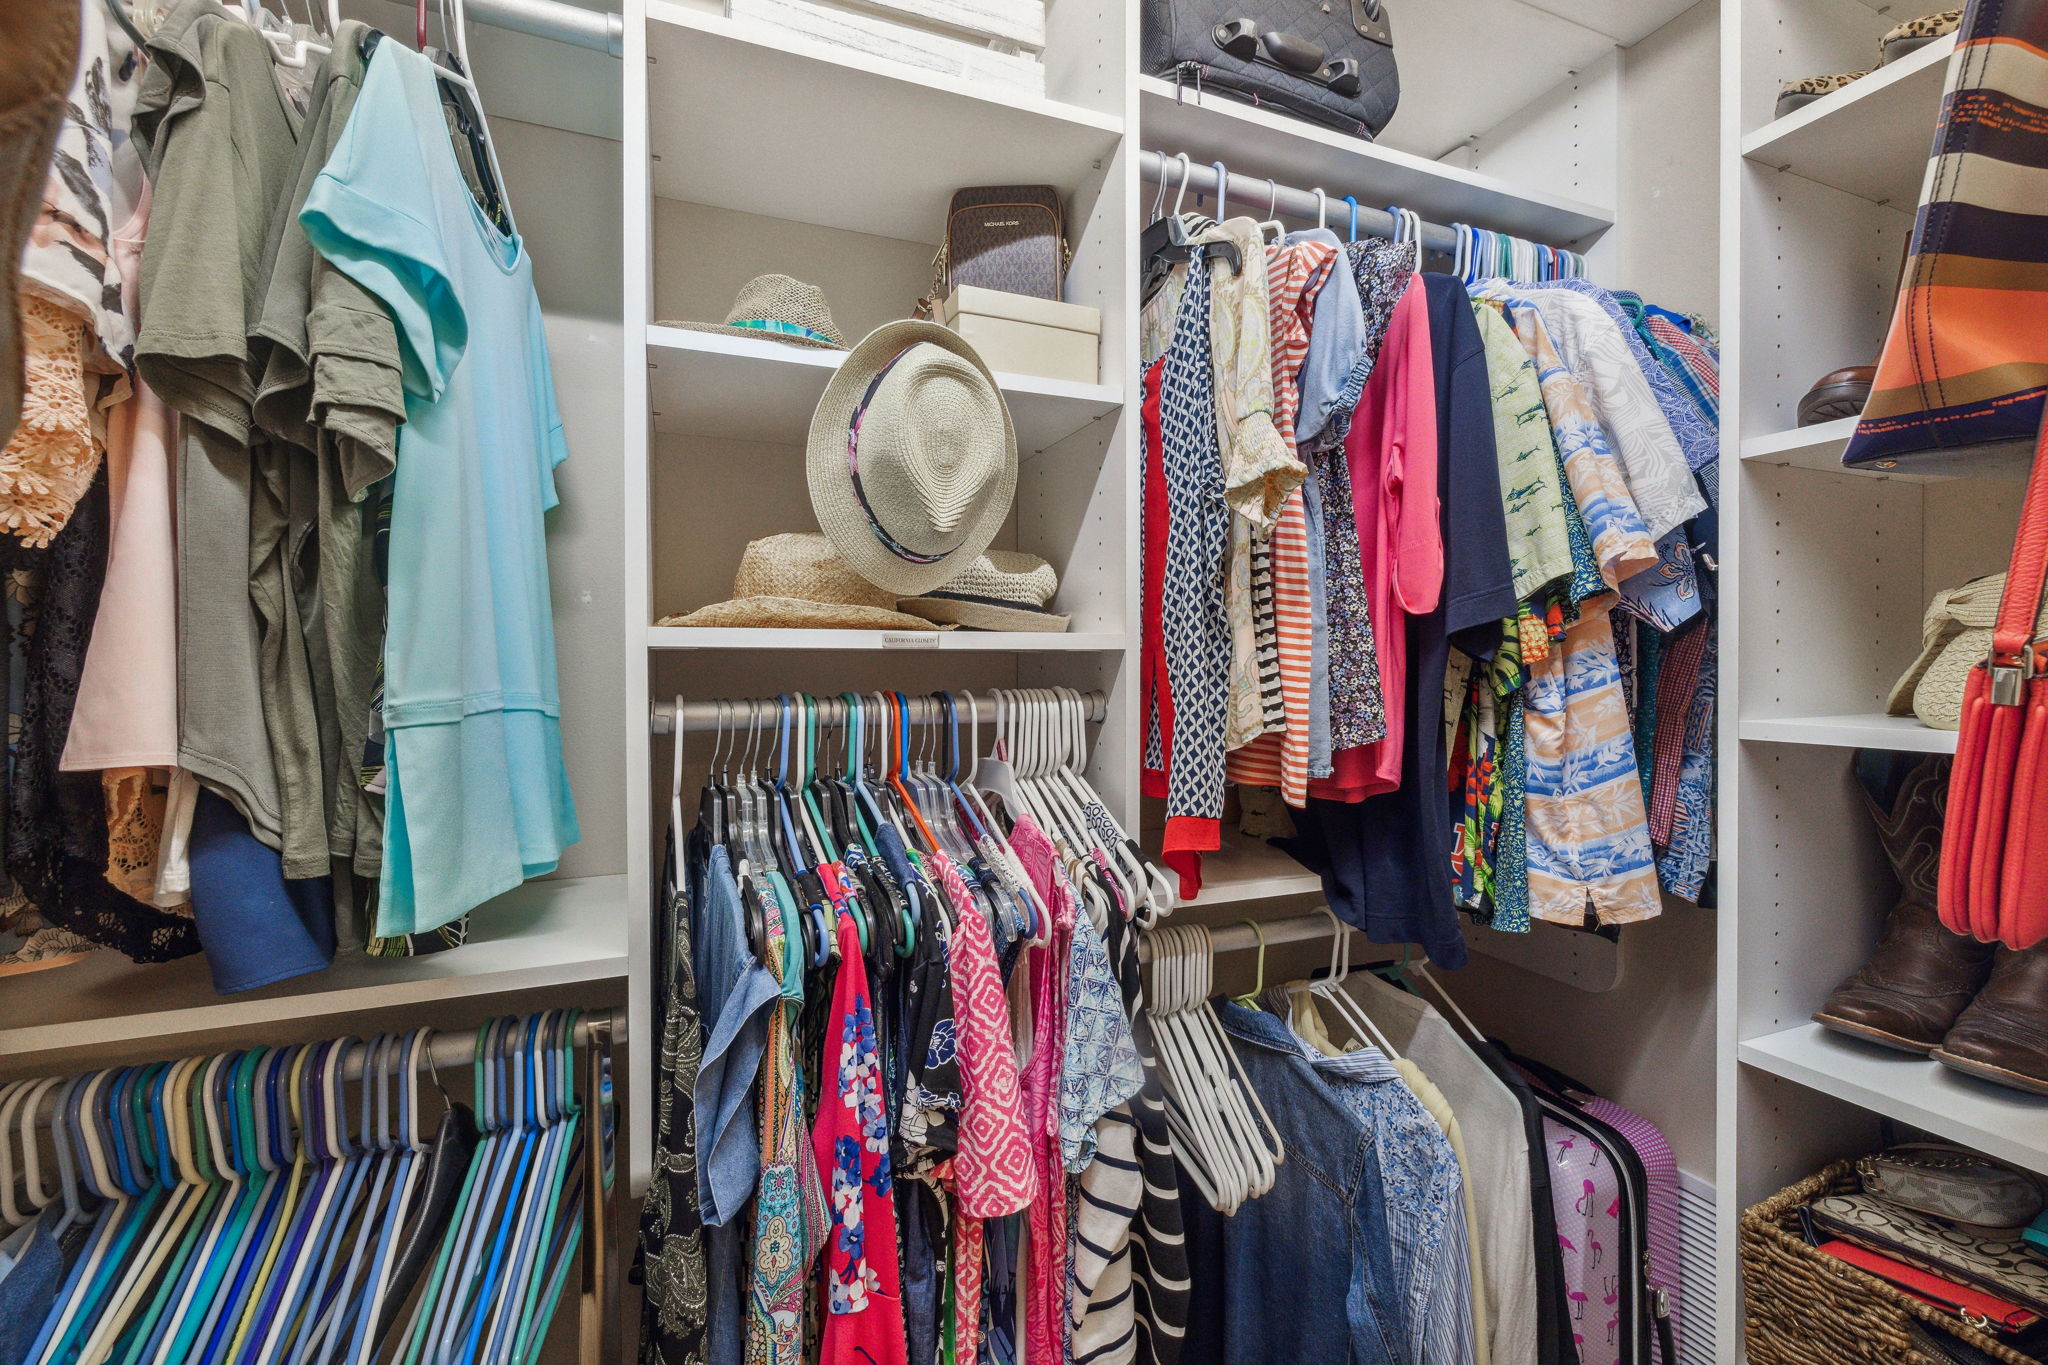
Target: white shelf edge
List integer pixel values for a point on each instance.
(1246, 870)
(661, 338)
(1597, 218)
(674, 15)
(569, 932)
(2005, 1123)
(1866, 731)
(1756, 146)
(1778, 443)
(895, 641)
(1819, 447)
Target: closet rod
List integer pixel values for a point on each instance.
(455, 1047)
(1251, 191)
(708, 715)
(558, 22)
(1240, 936)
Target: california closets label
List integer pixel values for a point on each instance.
(910, 639)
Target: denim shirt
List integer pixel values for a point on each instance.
(1276, 1302)
(1423, 1221)
(734, 993)
(1331, 377)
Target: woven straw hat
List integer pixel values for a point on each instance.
(797, 581)
(913, 461)
(780, 309)
(1001, 590)
(1955, 636)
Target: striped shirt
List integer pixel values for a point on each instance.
(1279, 757)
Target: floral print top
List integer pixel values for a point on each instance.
(864, 1310)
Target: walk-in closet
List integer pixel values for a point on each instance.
(1010, 682)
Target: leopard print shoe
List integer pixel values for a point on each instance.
(1915, 34)
(1795, 95)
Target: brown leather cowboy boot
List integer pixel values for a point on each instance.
(2003, 1035)
(1922, 976)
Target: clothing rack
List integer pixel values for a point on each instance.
(445, 1049)
(710, 715)
(1255, 192)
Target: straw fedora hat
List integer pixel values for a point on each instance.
(913, 461)
(797, 581)
(1001, 590)
(780, 309)
(1955, 636)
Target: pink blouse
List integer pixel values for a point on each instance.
(1392, 456)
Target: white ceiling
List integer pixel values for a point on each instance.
(1468, 64)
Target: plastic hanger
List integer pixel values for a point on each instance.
(470, 112)
(1351, 201)
(1251, 1000)
(1272, 219)
(1242, 1111)
(331, 1296)
(12, 1214)
(1196, 1112)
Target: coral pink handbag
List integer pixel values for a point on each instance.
(1994, 852)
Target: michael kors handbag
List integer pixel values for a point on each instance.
(1007, 237)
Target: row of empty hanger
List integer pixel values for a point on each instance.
(283, 1205)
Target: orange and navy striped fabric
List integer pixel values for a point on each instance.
(1966, 361)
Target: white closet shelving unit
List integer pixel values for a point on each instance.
(1826, 574)
(748, 151)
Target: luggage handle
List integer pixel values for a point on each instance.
(1240, 38)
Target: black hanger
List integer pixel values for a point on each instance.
(459, 102)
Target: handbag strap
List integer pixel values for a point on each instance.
(2013, 639)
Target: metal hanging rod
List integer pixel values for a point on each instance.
(447, 1048)
(733, 715)
(1242, 937)
(553, 20)
(1254, 192)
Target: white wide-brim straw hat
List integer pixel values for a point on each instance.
(1001, 590)
(913, 459)
(797, 581)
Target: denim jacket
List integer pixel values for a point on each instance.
(1317, 1239)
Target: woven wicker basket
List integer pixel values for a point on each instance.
(1806, 1308)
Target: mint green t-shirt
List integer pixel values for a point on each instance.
(478, 799)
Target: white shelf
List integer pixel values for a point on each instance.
(546, 935)
(715, 384)
(951, 641)
(1873, 731)
(872, 147)
(1253, 141)
(1994, 1119)
(1249, 870)
(1871, 138)
(1820, 447)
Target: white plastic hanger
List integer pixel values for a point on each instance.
(1212, 1110)
(1272, 219)
(1416, 971)
(1331, 988)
